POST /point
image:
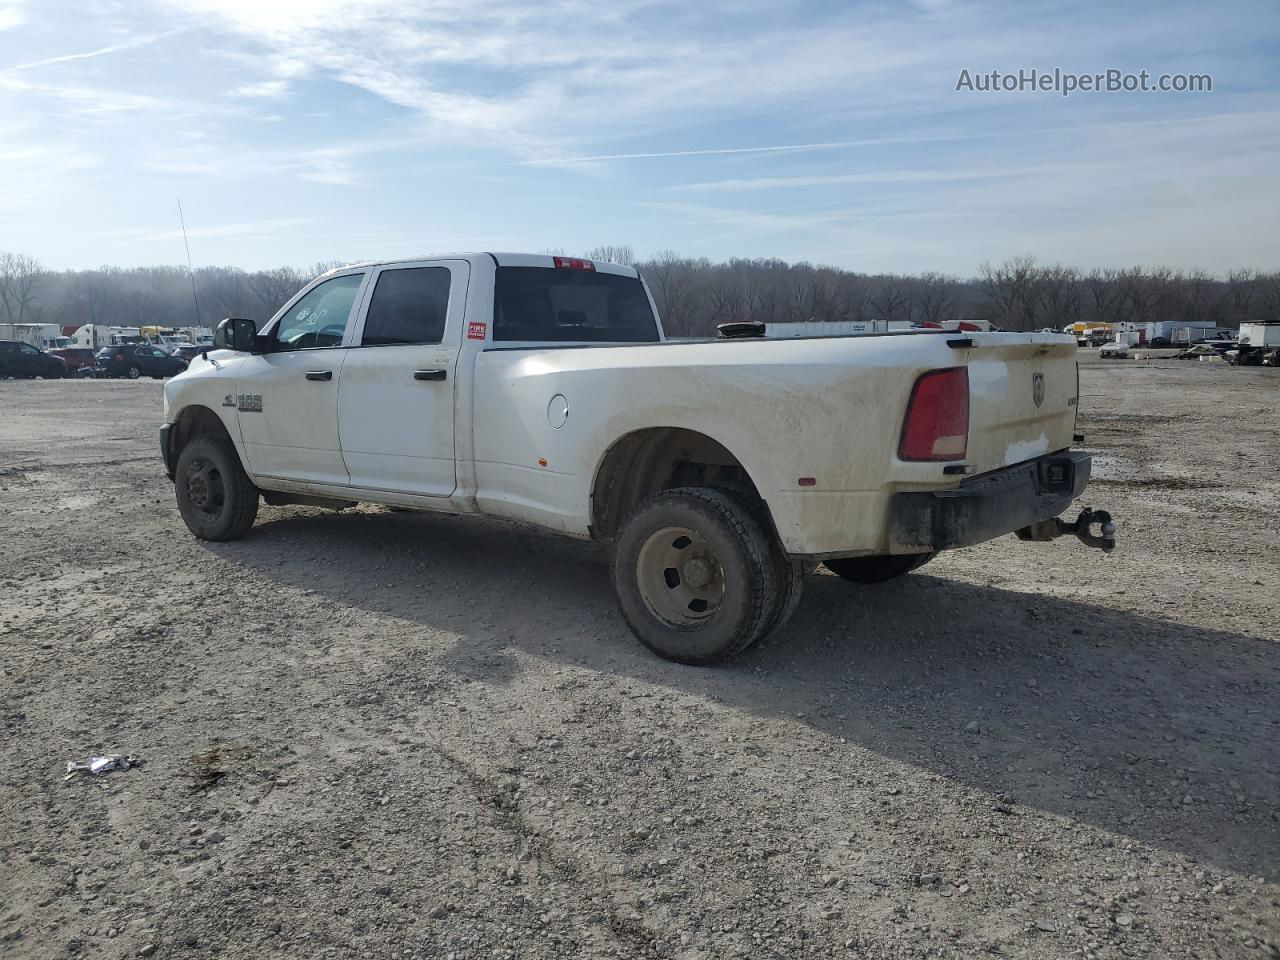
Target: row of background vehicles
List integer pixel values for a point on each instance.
(93, 350)
(1254, 344)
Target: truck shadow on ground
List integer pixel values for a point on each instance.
(1148, 728)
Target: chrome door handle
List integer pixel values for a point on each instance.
(431, 374)
(319, 374)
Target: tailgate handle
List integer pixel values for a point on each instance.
(961, 343)
(431, 374)
(319, 374)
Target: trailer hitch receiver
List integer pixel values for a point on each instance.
(1082, 528)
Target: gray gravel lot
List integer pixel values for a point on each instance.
(377, 734)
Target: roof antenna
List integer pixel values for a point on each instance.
(190, 272)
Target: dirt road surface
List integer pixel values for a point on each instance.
(377, 734)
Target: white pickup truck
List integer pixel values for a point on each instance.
(542, 390)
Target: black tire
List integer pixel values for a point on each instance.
(788, 573)
(215, 497)
(728, 579)
(133, 373)
(877, 569)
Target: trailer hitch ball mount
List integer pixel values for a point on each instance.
(1082, 528)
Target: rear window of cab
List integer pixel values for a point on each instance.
(542, 304)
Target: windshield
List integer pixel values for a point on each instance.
(541, 304)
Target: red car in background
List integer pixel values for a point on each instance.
(75, 358)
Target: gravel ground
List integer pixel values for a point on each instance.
(377, 734)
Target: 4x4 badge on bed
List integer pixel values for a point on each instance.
(1037, 388)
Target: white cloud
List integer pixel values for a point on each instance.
(263, 88)
(12, 14)
(257, 229)
(538, 81)
(130, 44)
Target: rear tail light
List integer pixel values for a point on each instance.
(573, 263)
(937, 422)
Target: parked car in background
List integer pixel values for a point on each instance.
(22, 360)
(75, 358)
(187, 351)
(1116, 350)
(139, 360)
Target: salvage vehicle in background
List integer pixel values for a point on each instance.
(139, 360)
(22, 360)
(543, 390)
(1259, 344)
(75, 358)
(1116, 350)
(188, 351)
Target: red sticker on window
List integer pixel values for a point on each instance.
(477, 331)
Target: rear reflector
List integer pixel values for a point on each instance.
(937, 422)
(573, 263)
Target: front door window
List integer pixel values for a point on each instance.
(320, 318)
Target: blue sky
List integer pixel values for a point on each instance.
(298, 132)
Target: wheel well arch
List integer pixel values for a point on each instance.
(194, 421)
(648, 461)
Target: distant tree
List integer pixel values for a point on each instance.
(1054, 295)
(20, 280)
(96, 296)
(613, 254)
(274, 287)
(693, 294)
(1148, 292)
(936, 297)
(1104, 290)
(1010, 291)
(670, 278)
(1241, 285)
(1268, 288)
(891, 298)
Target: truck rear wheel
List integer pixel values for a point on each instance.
(877, 569)
(788, 573)
(215, 496)
(695, 575)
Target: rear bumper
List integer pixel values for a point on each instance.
(989, 505)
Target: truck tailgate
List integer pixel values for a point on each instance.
(1022, 397)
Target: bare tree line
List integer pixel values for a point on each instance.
(693, 294)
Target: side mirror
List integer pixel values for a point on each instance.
(236, 333)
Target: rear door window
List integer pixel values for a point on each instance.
(409, 305)
(542, 304)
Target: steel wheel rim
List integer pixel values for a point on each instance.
(680, 577)
(206, 492)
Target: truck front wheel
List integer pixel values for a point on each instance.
(215, 496)
(695, 576)
(877, 569)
